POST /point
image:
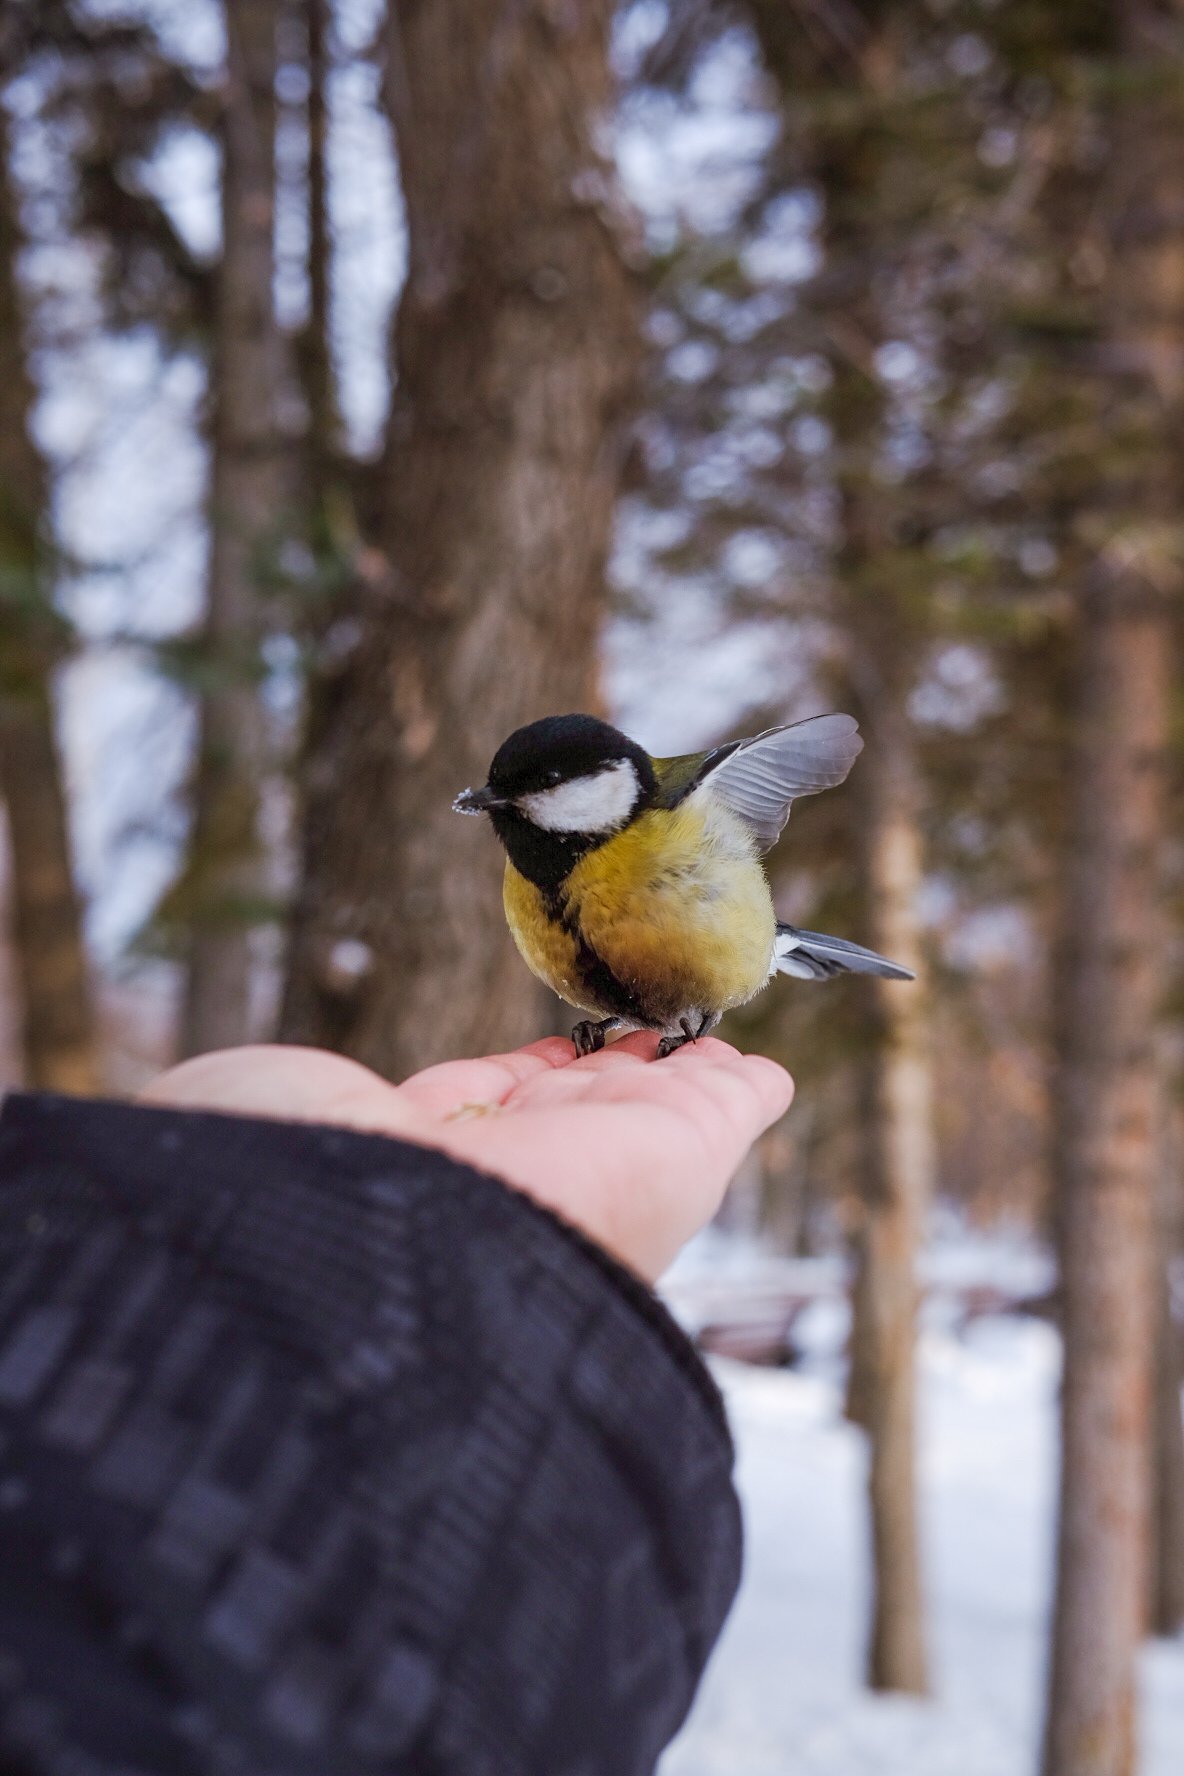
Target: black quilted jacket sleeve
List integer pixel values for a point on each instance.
(323, 1455)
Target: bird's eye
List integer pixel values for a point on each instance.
(552, 777)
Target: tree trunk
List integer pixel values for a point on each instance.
(221, 894)
(316, 352)
(1106, 1079)
(1167, 1520)
(898, 1164)
(514, 356)
(329, 480)
(58, 1020)
(1105, 1113)
(1167, 1492)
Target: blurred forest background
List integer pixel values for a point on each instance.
(376, 378)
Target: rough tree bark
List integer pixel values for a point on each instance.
(223, 884)
(514, 353)
(1106, 1073)
(58, 1019)
(1167, 1493)
(1105, 1112)
(897, 1152)
(329, 481)
(315, 353)
(898, 1164)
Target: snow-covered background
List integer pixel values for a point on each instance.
(784, 1694)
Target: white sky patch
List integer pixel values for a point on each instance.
(636, 29)
(959, 691)
(898, 362)
(127, 738)
(693, 361)
(759, 446)
(184, 175)
(993, 937)
(753, 558)
(370, 237)
(123, 425)
(694, 161)
(129, 499)
(191, 32)
(708, 676)
(811, 436)
(785, 249)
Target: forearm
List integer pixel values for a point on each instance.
(388, 1468)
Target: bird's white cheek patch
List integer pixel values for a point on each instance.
(595, 803)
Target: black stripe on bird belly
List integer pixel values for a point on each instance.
(607, 990)
(598, 983)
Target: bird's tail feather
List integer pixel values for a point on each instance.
(812, 956)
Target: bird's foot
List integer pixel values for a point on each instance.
(588, 1037)
(691, 1032)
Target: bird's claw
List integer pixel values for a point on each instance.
(690, 1033)
(587, 1038)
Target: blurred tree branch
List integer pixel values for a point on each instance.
(58, 1016)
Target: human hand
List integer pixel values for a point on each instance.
(636, 1155)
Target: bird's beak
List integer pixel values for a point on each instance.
(477, 801)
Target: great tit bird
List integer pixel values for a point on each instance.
(634, 886)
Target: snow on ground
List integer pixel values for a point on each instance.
(783, 1695)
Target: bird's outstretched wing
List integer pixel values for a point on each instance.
(759, 779)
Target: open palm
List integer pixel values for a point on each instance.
(637, 1154)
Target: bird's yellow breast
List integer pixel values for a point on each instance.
(676, 907)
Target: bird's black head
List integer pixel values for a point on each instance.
(559, 788)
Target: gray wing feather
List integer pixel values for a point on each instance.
(759, 778)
